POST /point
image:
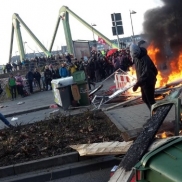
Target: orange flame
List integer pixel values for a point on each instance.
(164, 135)
(174, 68)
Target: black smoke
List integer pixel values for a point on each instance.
(163, 27)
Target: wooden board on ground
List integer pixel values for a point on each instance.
(105, 148)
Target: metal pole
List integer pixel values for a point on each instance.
(116, 31)
(25, 48)
(132, 26)
(93, 33)
(11, 43)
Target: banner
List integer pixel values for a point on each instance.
(101, 41)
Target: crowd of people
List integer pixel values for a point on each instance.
(98, 66)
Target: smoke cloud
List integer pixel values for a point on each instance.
(163, 27)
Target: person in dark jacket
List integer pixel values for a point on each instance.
(146, 74)
(52, 71)
(48, 77)
(30, 78)
(89, 73)
(37, 77)
(57, 72)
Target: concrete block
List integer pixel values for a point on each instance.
(6, 171)
(45, 163)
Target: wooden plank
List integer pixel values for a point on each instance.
(105, 148)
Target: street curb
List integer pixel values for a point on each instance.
(65, 171)
(27, 111)
(40, 164)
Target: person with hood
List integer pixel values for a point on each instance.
(146, 73)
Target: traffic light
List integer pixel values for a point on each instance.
(117, 28)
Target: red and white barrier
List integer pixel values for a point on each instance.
(122, 81)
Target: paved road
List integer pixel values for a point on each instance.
(29, 118)
(35, 100)
(93, 176)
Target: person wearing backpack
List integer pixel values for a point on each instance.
(12, 86)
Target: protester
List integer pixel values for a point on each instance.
(146, 74)
(5, 121)
(89, 73)
(8, 68)
(4, 69)
(37, 77)
(68, 57)
(12, 86)
(48, 77)
(72, 68)
(57, 72)
(19, 84)
(52, 71)
(30, 78)
(63, 72)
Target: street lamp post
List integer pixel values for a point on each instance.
(93, 25)
(132, 12)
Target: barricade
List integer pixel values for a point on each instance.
(121, 80)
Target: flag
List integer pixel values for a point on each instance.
(101, 41)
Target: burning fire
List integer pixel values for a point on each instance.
(174, 68)
(164, 135)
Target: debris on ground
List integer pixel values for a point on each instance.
(20, 103)
(14, 119)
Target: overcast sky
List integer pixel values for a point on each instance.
(41, 15)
